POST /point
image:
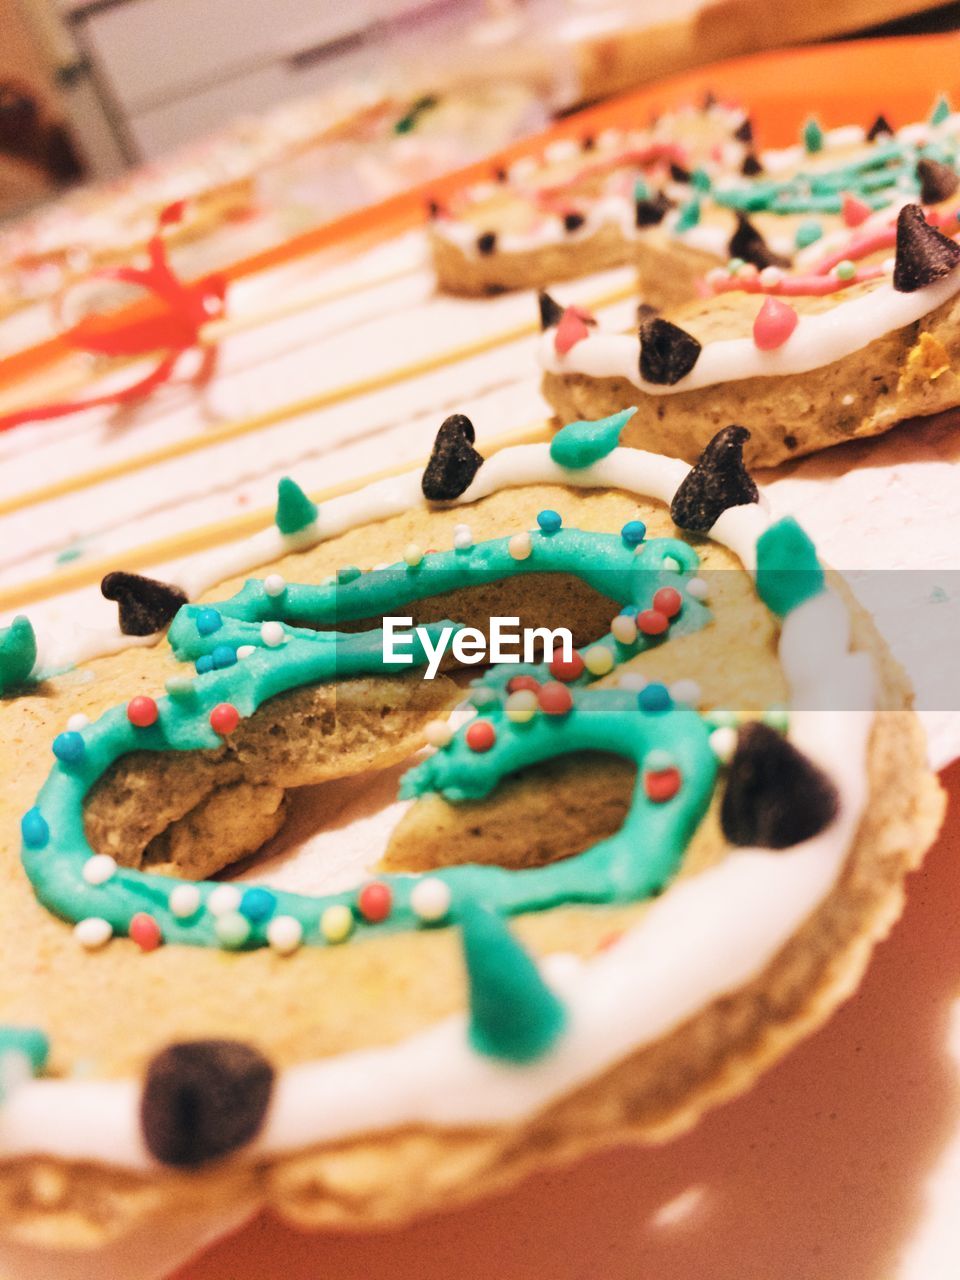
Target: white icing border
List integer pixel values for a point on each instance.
(818, 340)
(683, 954)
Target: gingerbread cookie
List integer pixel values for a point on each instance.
(867, 336)
(632, 872)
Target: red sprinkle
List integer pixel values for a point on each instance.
(662, 785)
(481, 736)
(515, 683)
(145, 931)
(855, 211)
(142, 712)
(668, 600)
(224, 718)
(571, 330)
(555, 699)
(375, 901)
(566, 671)
(652, 622)
(775, 322)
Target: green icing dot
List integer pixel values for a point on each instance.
(808, 232)
(513, 1013)
(700, 180)
(689, 215)
(26, 1044)
(812, 136)
(788, 571)
(941, 110)
(640, 190)
(18, 653)
(295, 511)
(580, 444)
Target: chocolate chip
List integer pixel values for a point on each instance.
(646, 311)
(487, 242)
(454, 461)
(747, 243)
(203, 1099)
(718, 480)
(775, 796)
(433, 209)
(500, 174)
(937, 181)
(678, 173)
(667, 352)
(651, 212)
(144, 604)
(881, 128)
(751, 165)
(709, 100)
(571, 221)
(924, 254)
(588, 142)
(551, 311)
(744, 131)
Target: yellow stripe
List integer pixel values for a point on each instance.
(294, 409)
(204, 537)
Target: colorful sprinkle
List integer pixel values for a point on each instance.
(687, 692)
(697, 588)
(598, 660)
(204, 664)
(77, 722)
(142, 712)
(274, 584)
(272, 634)
(845, 270)
(480, 736)
(223, 655)
(69, 747)
(99, 868)
(232, 930)
(623, 628)
(93, 932)
(520, 546)
(654, 697)
(523, 682)
(520, 707)
(775, 322)
(184, 901)
(855, 211)
(285, 934)
(258, 904)
(662, 786)
(723, 743)
(566, 671)
(651, 622)
(375, 901)
(208, 621)
(145, 931)
(430, 899)
(549, 521)
(437, 733)
(633, 532)
(412, 555)
(224, 900)
(668, 600)
(336, 923)
(462, 537)
(555, 699)
(224, 718)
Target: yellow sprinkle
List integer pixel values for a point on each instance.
(598, 660)
(520, 546)
(336, 923)
(521, 706)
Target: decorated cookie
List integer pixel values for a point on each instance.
(578, 209)
(648, 851)
(861, 338)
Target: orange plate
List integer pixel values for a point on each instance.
(845, 82)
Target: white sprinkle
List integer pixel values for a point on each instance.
(770, 277)
(847, 399)
(15, 1071)
(697, 588)
(430, 899)
(285, 934)
(632, 681)
(672, 563)
(272, 634)
(685, 691)
(437, 733)
(77, 722)
(184, 900)
(723, 743)
(462, 537)
(93, 932)
(887, 266)
(246, 651)
(412, 554)
(225, 898)
(520, 546)
(99, 869)
(274, 584)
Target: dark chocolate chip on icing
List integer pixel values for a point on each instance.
(454, 461)
(571, 221)
(203, 1099)
(678, 173)
(144, 604)
(747, 243)
(718, 480)
(646, 311)
(775, 795)
(649, 213)
(923, 254)
(550, 310)
(751, 165)
(744, 131)
(433, 209)
(487, 242)
(667, 352)
(937, 181)
(881, 128)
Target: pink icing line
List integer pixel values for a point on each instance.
(796, 286)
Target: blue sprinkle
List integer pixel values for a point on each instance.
(34, 829)
(224, 655)
(633, 532)
(629, 610)
(204, 664)
(654, 697)
(69, 747)
(258, 905)
(549, 521)
(208, 621)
